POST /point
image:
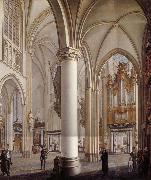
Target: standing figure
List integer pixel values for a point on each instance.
(134, 157)
(104, 158)
(4, 163)
(8, 156)
(43, 156)
(146, 162)
(140, 162)
(130, 165)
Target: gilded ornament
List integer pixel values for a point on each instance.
(122, 112)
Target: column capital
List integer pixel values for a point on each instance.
(68, 53)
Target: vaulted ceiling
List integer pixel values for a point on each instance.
(98, 25)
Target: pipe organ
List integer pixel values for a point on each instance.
(121, 96)
(119, 105)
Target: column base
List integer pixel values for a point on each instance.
(69, 166)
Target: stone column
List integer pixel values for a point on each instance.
(69, 142)
(42, 136)
(2, 136)
(10, 137)
(24, 43)
(97, 123)
(88, 140)
(93, 118)
(140, 107)
(27, 132)
(137, 113)
(24, 131)
(105, 109)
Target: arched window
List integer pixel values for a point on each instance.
(13, 34)
(13, 21)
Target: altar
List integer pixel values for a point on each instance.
(121, 140)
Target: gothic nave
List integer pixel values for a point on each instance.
(75, 78)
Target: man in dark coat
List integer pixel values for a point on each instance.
(8, 156)
(104, 158)
(43, 157)
(4, 163)
(146, 162)
(140, 161)
(133, 154)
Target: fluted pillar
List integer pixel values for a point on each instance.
(69, 143)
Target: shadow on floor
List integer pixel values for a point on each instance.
(114, 174)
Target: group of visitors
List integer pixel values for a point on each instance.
(5, 161)
(139, 161)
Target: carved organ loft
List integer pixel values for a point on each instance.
(119, 102)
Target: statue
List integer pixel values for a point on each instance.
(30, 121)
(57, 91)
(82, 112)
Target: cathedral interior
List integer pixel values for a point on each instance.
(75, 76)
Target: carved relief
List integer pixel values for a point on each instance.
(9, 55)
(57, 90)
(34, 27)
(12, 56)
(30, 121)
(5, 50)
(68, 53)
(82, 112)
(18, 60)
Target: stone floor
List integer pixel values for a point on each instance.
(32, 165)
(30, 168)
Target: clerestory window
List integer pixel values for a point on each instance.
(13, 21)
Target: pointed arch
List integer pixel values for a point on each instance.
(61, 23)
(17, 83)
(122, 52)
